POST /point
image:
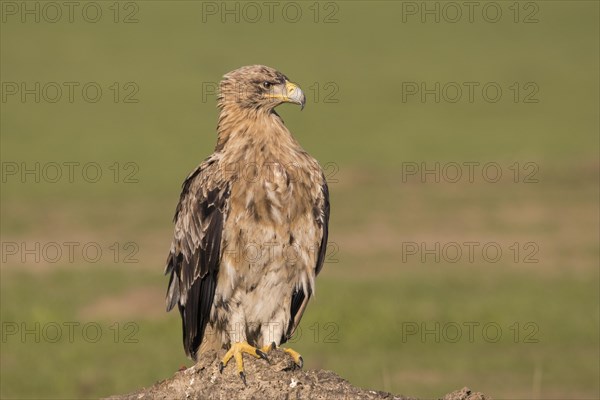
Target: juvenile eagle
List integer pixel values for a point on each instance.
(250, 227)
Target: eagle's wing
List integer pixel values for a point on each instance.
(299, 299)
(195, 254)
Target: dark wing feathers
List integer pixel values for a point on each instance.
(193, 261)
(323, 220)
(299, 300)
(298, 305)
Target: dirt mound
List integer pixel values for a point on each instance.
(276, 379)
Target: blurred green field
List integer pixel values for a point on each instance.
(370, 293)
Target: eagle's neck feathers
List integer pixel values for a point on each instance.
(241, 129)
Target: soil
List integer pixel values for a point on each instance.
(278, 378)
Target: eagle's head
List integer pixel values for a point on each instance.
(258, 87)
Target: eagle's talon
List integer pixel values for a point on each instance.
(262, 355)
(221, 367)
(301, 363)
(243, 376)
(266, 349)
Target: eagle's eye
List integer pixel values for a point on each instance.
(266, 85)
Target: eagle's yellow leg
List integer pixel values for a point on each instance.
(236, 350)
(292, 353)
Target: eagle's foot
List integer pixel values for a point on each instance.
(292, 353)
(295, 356)
(236, 350)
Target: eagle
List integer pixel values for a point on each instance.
(251, 227)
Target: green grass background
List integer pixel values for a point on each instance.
(354, 325)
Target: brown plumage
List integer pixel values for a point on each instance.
(251, 224)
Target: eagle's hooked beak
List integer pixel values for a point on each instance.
(295, 94)
(289, 93)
